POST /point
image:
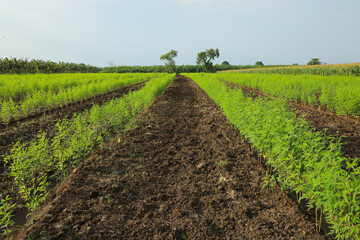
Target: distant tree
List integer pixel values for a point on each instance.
(295, 64)
(314, 61)
(225, 63)
(205, 58)
(259, 63)
(111, 63)
(169, 61)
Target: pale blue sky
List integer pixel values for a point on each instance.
(138, 32)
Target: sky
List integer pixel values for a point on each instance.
(138, 32)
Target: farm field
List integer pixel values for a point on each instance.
(182, 172)
(246, 127)
(28, 131)
(306, 96)
(306, 161)
(23, 96)
(350, 69)
(189, 166)
(34, 159)
(321, 119)
(337, 93)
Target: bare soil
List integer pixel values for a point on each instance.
(182, 173)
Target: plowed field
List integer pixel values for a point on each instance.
(182, 172)
(322, 120)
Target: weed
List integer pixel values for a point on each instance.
(5, 216)
(221, 163)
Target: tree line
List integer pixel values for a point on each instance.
(19, 66)
(204, 63)
(205, 58)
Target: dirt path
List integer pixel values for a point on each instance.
(182, 173)
(322, 119)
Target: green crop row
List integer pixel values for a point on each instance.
(32, 164)
(19, 86)
(324, 70)
(45, 92)
(305, 161)
(338, 93)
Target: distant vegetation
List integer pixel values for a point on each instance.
(314, 61)
(180, 68)
(25, 66)
(17, 66)
(352, 69)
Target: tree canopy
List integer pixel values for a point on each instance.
(205, 59)
(169, 60)
(314, 61)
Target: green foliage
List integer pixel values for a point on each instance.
(314, 61)
(170, 62)
(25, 162)
(340, 93)
(31, 164)
(7, 110)
(18, 66)
(305, 161)
(225, 63)
(5, 216)
(259, 63)
(28, 94)
(179, 68)
(324, 70)
(205, 59)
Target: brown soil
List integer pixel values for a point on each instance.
(322, 120)
(334, 125)
(182, 173)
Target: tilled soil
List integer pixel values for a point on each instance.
(334, 125)
(323, 120)
(182, 173)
